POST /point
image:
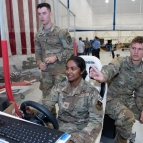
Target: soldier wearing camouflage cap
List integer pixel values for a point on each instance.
(77, 100)
(52, 49)
(125, 92)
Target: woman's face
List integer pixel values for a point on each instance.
(73, 72)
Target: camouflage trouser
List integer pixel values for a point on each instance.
(67, 127)
(77, 133)
(47, 81)
(123, 116)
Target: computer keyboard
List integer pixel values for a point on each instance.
(17, 131)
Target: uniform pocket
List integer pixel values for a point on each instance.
(81, 103)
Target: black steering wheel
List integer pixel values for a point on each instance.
(49, 116)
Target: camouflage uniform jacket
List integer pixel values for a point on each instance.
(77, 107)
(50, 42)
(125, 78)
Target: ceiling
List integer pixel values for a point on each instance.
(97, 14)
(100, 7)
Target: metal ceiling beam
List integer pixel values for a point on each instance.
(66, 8)
(2, 27)
(68, 14)
(114, 16)
(83, 30)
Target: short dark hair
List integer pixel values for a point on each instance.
(97, 38)
(80, 38)
(48, 6)
(80, 63)
(138, 39)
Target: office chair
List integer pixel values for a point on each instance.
(102, 88)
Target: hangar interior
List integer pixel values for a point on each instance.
(116, 20)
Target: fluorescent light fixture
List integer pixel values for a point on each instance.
(106, 1)
(133, 0)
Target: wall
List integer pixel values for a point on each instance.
(90, 35)
(118, 36)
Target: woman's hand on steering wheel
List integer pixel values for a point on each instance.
(30, 114)
(28, 111)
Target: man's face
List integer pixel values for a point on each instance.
(44, 15)
(136, 52)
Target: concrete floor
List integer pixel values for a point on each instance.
(35, 94)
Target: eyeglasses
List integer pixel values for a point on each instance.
(134, 49)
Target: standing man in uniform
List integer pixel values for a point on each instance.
(96, 47)
(125, 92)
(87, 46)
(52, 49)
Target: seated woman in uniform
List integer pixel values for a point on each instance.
(77, 100)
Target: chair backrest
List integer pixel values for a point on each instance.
(102, 88)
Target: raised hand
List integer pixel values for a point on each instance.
(96, 74)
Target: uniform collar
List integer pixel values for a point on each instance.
(130, 61)
(53, 27)
(42, 29)
(139, 69)
(68, 88)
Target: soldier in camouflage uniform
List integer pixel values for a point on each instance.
(52, 49)
(125, 93)
(77, 100)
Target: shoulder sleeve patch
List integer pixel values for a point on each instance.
(68, 37)
(99, 104)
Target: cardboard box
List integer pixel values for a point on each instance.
(11, 109)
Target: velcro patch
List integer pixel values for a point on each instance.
(66, 105)
(86, 94)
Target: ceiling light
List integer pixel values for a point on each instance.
(133, 0)
(106, 1)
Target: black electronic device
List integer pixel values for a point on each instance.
(1, 78)
(13, 130)
(4, 103)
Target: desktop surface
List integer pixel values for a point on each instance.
(13, 130)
